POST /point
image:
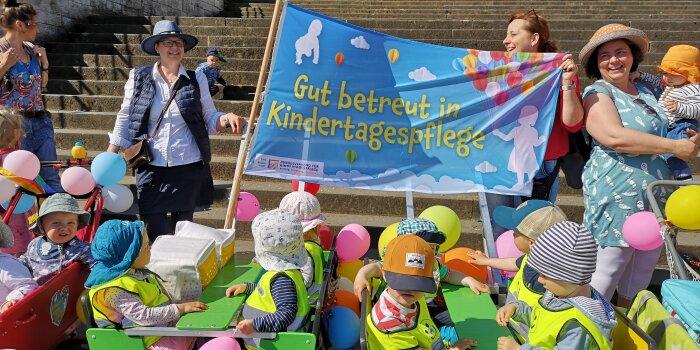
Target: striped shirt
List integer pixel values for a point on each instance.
(285, 296)
(687, 99)
(596, 305)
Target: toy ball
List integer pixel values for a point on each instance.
(25, 203)
(23, 164)
(7, 189)
(387, 235)
(326, 235)
(247, 207)
(308, 187)
(117, 198)
(457, 259)
(343, 327)
(344, 298)
(108, 168)
(447, 221)
(641, 230)
(352, 242)
(221, 343)
(683, 208)
(349, 269)
(505, 246)
(77, 181)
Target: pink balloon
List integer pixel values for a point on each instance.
(247, 207)
(77, 181)
(221, 343)
(7, 189)
(508, 274)
(505, 246)
(642, 231)
(352, 242)
(23, 164)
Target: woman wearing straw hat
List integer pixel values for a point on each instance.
(180, 145)
(628, 136)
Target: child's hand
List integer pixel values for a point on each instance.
(194, 306)
(6, 305)
(505, 313)
(476, 286)
(235, 290)
(359, 285)
(245, 327)
(464, 344)
(507, 344)
(478, 257)
(671, 106)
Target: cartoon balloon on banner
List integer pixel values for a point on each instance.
(23, 164)
(117, 198)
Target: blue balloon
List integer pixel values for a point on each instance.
(343, 327)
(25, 203)
(108, 168)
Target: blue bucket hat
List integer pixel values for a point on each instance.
(165, 29)
(510, 218)
(116, 246)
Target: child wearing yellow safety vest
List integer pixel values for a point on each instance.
(571, 314)
(125, 294)
(306, 206)
(429, 232)
(527, 221)
(278, 302)
(400, 318)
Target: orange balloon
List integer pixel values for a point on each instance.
(348, 269)
(458, 260)
(344, 298)
(339, 58)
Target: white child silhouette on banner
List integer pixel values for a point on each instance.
(309, 42)
(523, 160)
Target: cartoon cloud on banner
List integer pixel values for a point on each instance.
(347, 106)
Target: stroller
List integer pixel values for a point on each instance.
(51, 308)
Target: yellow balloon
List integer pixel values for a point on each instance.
(447, 221)
(387, 235)
(393, 55)
(683, 208)
(348, 269)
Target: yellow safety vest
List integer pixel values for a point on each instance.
(425, 334)
(149, 291)
(519, 290)
(546, 324)
(316, 253)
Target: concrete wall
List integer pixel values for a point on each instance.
(57, 16)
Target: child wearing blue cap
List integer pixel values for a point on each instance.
(125, 294)
(212, 69)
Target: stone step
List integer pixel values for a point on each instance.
(374, 24)
(113, 103)
(241, 78)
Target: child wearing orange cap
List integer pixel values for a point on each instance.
(680, 100)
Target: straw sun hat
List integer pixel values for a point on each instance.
(612, 32)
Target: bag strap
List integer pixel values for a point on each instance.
(176, 87)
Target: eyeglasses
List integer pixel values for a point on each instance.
(647, 108)
(170, 43)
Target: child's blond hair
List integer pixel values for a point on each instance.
(10, 121)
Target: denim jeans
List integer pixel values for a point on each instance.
(677, 131)
(494, 200)
(39, 139)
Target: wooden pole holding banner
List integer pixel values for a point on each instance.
(241, 161)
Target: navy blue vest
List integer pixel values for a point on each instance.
(187, 100)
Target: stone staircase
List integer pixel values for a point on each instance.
(90, 65)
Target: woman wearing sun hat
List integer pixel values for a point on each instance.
(180, 147)
(628, 136)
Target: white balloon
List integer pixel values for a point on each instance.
(117, 198)
(7, 189)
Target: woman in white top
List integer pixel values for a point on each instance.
(179, 172)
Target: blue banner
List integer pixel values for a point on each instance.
(347, 106)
